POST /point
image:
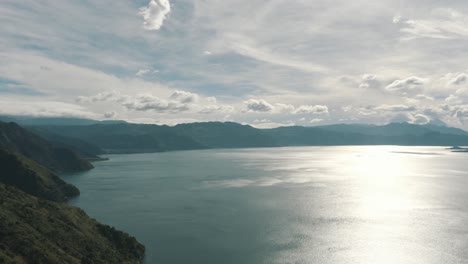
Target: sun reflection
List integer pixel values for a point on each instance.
(382, 187)
(383, 199)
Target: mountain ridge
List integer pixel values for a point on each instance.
(135, 138)
(17, 139)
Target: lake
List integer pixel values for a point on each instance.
(369, 204)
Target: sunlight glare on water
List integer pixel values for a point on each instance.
(327, 205)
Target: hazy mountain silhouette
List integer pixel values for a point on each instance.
(57, 121)
(225, 135)
(124, 138)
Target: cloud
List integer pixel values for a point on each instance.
(396, 108)
(155, 13)
(216, 109)
(396, 19)
(149, 102)
(100, 97)
(178, 102)
(370, 81)
(142, 72)
(254, 105)
(315, 120)
(240, 46)
(43, 108)
(460, 79)
(110, 114)
(184, 97)
(424, 97)
(419, 119)
(445, 23)
(408, 85)
(284, 108)
(270, 124)
(143, 102)
(258, 50)
(311, 109)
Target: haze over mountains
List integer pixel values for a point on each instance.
(91, 138)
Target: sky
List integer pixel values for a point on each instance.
(266, 63)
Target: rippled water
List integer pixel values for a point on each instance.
(287, 205)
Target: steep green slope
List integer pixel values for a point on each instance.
(19, 140)
(34, 230)
(34, 179)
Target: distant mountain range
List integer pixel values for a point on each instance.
(91, 138)
(59, 121)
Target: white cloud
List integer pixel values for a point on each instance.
(216, 109)
(286, 53)
(254, 105)
(460, 79)
(155, 13)
(184, 97)
(149, 102)
(408, 85)
(311, 109)
(315, 120)
(42, 108)
(370, 81)
(396, 19)
(424, 97)
(142, 72)
(396, 108)
(269, 124)
(110, 114)
(419, 119)
(444, 23)
(238, 45)
(178, 102)
(285, 108)
(100, 97)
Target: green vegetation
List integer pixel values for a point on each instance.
(34, 179)
(34, 230)
(34, 227)
(16, 139)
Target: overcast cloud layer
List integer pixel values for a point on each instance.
(265, 63)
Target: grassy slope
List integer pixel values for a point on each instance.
(34, 230)
(19, 140)
(32, 178)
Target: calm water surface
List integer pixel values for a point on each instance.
(373, 205)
